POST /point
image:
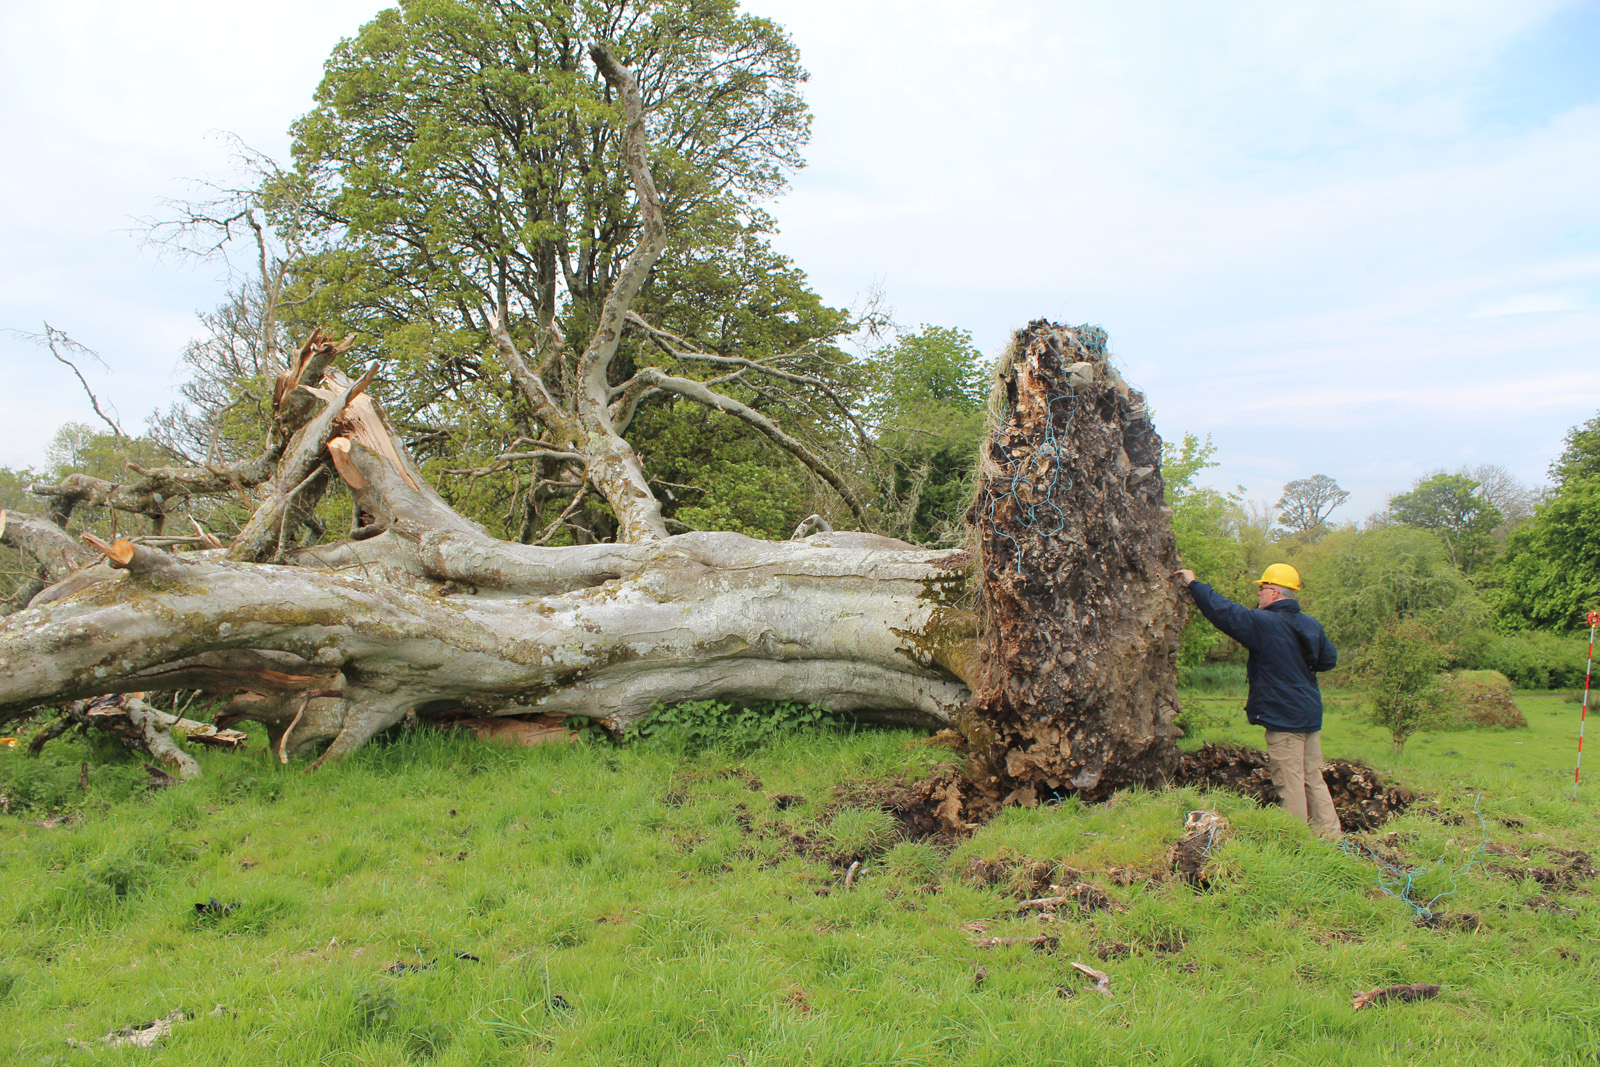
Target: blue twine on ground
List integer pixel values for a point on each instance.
(1398, 882)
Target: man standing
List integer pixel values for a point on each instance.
(1287, 649)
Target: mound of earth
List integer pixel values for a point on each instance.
(1362, 799)
(948, 806)
(1480, 699)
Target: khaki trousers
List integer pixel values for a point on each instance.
(1295, 761)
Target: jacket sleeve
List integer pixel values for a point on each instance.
(1327, 655)
(1235, 620)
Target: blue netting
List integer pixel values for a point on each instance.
(1092, 338)
(1039, 496)
(1211, 838)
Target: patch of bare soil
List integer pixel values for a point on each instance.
(1024, 877)
(1563, 869)
(1362, 799)
(944, 808)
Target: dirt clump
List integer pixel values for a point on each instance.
(1025, 877)
(1461, 921)
(1088, 896)
(1577, 867)
(1361, 798)
(1203, 831)
(944, 808)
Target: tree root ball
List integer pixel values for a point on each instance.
(1080, 616)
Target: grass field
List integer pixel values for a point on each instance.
(630, 906)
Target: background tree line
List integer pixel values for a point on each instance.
(1470, 569)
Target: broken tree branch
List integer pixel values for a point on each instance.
(698, 392)
(1102, 980)
(53, 337)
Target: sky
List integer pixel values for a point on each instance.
(1357, 239)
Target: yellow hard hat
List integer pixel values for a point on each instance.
(1280, 574)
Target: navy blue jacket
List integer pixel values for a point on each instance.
(1287, 648)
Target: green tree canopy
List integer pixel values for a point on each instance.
(927, 394)
(465, 155)
(1359, 581)
(1580, 454)
(1550, 573)
(1451, 507)
(1306, 503)
(464, 162)
(1207, 525)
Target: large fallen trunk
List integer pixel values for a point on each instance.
(1050, 645)
(598, 631)
(422, 611)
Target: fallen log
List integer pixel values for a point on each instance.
(1050, 648)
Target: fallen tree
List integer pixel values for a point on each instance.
(1066, 639)
(1049, 644)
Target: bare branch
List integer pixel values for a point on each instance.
(505, 459)
(596, 359)
(809, 525)
(53, 337)
(528, 381)
(697, 391)
(561, 520)
(678, 348)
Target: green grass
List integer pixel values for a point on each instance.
(635, 907)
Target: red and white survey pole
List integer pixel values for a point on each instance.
(1583, 717)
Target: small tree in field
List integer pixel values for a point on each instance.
(1401, 670)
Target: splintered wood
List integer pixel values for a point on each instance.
(1102, 980)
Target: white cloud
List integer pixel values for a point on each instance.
(1530, 304)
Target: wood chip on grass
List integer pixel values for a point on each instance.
(1414, 991)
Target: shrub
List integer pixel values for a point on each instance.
(1360, 581)
(1532, 659)
(1479, 698)
(1400, 666)
(696, 725)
